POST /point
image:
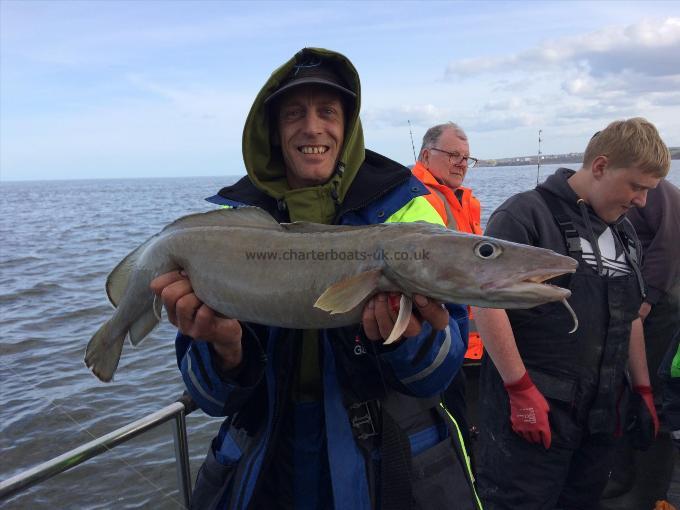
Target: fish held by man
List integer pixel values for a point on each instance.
(245, 265)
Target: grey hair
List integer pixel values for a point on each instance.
(432, 135)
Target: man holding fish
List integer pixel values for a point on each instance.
(330, 378)
(561, 390)
(316, 417)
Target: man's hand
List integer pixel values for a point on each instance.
(197, 320)
(529, 411)
(381, 312)
(645, 308)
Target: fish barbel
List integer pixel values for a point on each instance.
(245, 265)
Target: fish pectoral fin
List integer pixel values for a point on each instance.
(400, 325)
(347, 294)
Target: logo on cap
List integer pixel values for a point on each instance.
(312, 70)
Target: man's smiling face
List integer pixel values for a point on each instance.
(311, 122)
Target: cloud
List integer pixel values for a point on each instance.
(499, 121)
(422, 115)
(648, 47)
(194, 100)
(82, 35)
(670, 99)
(496, 115)
(614, 71)
(625, 93)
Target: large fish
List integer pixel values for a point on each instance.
(245, 265)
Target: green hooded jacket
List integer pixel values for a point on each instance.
(267, 171)
(264, 161)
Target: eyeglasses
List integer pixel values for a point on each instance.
(456, 158)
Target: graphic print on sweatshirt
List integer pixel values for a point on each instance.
(613, 259)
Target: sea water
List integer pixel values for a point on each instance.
(58, 242)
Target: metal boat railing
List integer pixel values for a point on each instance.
(176, 411)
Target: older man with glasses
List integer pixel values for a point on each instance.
(442, 165)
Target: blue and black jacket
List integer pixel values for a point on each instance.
(328, 419)
(354, 373)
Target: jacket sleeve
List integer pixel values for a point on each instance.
(659, 221)
(425, 364)
(216, 392)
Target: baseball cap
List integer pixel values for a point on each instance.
(312, 70)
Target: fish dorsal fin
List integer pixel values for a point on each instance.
(305, 227)
(346, 294)
(252, 217)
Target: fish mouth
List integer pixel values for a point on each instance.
(531, 281)
(526, 290)
(541, 292)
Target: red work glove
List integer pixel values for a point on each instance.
(645, 393)
(529, 411)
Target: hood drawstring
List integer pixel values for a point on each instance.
(630, 252)
(335, 194)
(593, 241)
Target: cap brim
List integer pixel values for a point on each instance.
(312, 80)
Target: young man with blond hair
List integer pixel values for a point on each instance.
(551, 396)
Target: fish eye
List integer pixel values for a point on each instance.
(487, 251)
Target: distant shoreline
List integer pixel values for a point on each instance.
(546, 159)
(549, 159)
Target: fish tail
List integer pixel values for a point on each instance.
(103, 351)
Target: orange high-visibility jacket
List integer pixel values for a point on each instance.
(463, 215)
